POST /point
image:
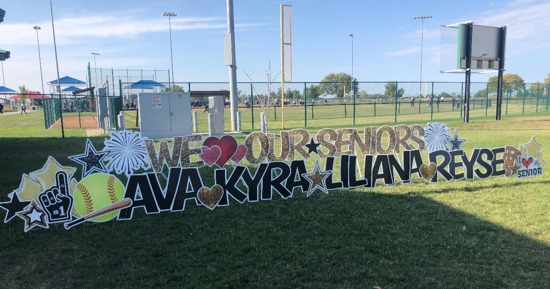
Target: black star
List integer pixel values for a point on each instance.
(13, 207)
(91, 160)
(312, 147)
(456, 143)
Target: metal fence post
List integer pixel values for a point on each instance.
(486, 99)
(432, 103)
(353, 91)
(345, 110)
(252, 103)
(538, 93)
(523, 110)
(547, 96)
(395, 103)
(460, 100)
(507, 101)
(305, 104)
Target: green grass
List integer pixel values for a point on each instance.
(492, 233)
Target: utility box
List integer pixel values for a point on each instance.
(164, 114)
(216, 106)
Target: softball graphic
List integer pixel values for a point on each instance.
(95, 192)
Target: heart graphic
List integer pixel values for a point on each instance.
(239, 154)
(210, 197)
(210, 154)
(526, 163)
(428, 171)
(227, 144)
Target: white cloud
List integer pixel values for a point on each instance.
(527, 25)
(80, 30)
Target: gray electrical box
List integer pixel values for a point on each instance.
(216, 105)
(103, 109)
(164, 114)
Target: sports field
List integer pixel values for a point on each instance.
(491, 233)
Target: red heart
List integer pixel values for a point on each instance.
(239, 154)
(210, 154)
(526, 163)
(227, 144)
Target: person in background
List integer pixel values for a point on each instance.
(23, 109)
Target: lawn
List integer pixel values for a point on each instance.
(491, 233)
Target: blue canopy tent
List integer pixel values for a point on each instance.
(67, 80)
(71, 88)
(145, 84)
(5, 89)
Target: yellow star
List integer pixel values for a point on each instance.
(532, 148)
(46, 175)
(29, 189)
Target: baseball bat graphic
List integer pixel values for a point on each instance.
(124, 203)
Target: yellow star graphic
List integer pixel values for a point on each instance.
(46, 175)
(29, 188)
(532, 148)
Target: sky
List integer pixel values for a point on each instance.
(134, 36)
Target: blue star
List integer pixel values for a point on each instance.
(91, 160)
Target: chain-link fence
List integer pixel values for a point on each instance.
(305, 104)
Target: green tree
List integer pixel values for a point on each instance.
(536, 88)
(175, 88)
(22, 94)
(334, 83)
(289, 93)
(480, 94)
(390, 90)
(313, 91)
(511, 82)
(547, 79)
(445, 95)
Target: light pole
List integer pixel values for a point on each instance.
(352, 80)
(170, 15)
(421, 45)
(95, 67)
(39, 57)
(351, 35)
(58, 78)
